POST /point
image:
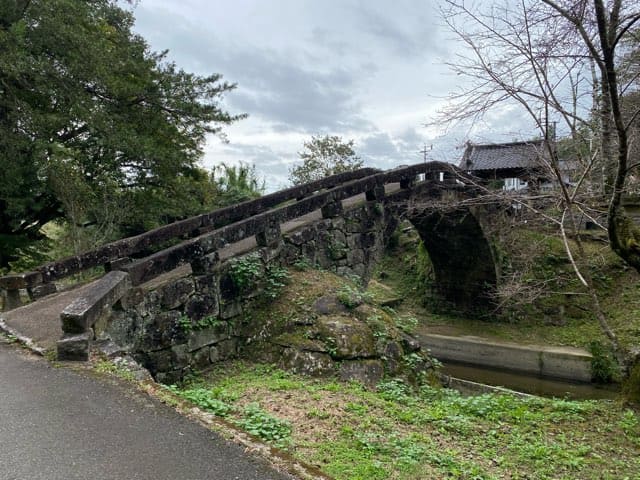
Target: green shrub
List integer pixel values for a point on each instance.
(246, 271)
(276, 278)
(204, 399)
(351, 297)
(603, 363)
(259, 423)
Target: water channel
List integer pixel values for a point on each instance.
(545, 387)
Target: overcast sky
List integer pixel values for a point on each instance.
(368, 70)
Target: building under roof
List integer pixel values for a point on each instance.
(515, 163)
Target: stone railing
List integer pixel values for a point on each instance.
(81, 316)
(266, 226)
(39, 282)
(209, 233)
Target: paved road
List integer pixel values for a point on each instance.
(56, 424)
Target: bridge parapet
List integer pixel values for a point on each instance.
(80, 317)
(221, 227)
(39, 281)
(204, 316)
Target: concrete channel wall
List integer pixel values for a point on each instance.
(554, 362)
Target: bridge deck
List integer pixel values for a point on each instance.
(40, 322)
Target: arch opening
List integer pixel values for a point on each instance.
(462, 259)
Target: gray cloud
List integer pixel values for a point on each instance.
(409, 32)
(355, 68)
(292, 97)
(273, 85)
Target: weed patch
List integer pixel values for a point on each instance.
(259, 423)
(111, 368)
(401, 431)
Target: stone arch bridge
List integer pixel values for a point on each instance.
(341, 223)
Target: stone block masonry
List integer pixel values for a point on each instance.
(81, 317)
(193, 321)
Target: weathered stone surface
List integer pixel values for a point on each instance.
(376, 193)
(224, 350)
(116, 264)
(298, 341)
(155, 362)
(393, 349)
(339, 237)
(392, 353)
(132, 299)
(170, 377)
(161, 331)
(314, 364)
(200, 358)
(367, 239)
(208, 336)
(125, 328)
(12, 299)
(206, 284)
(328, 305)
(308, 251)
(270, 235)
(180, 356)
(299, 237)
(355, 256)
(337, 223)
(230, 310)
(40, 291)
(346, 337)
(206, 264)
(75, 347)
(359, 270)
(228, 289)
(109, 348)
(332, 209)
(94, 302)
(20, 280)
(409, 344)
(174, 294)
(271, 254)
(200, 306)
(367, 372)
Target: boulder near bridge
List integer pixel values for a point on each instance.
(340, 223)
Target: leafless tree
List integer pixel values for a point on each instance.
(557, 61)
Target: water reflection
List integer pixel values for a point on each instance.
(530, 384)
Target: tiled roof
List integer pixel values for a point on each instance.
(497, 156)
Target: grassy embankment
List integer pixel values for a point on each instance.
(399, 432)
(395, 432)
(544, 304)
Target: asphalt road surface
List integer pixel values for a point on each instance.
(57, 424)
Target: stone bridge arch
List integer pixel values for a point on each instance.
(457, 239)
(342, 223)
(463, 260)
(457, 235)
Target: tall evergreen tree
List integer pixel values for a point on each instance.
(80, 91)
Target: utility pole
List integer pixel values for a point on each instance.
(424, 152)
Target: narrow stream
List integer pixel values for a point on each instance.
(544, 387)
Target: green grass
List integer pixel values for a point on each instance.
(561, 315)
(110, 368)
(398, 432)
